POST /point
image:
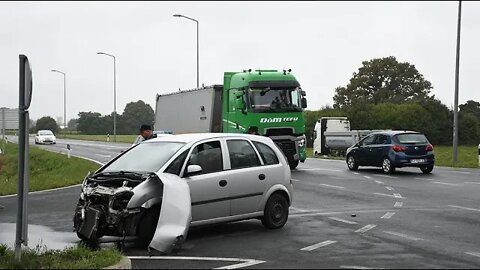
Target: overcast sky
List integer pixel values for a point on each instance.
(322, 42)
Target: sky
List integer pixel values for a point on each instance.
(323, 43)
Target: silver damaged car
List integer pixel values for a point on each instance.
(156, 190)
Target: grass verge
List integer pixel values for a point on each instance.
(100, 138)
(47, 170)
(467, 156)
(70, 258)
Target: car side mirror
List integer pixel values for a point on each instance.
(304, 103)
(193, 169)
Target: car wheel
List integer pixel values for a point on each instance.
(276, 212)
(352, 163)
(427, 169)
(293, 164)
(147, 225)
(387, 166)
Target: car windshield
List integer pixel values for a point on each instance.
(411, 138)
(45, 133)
(273, 99)
(145, 157)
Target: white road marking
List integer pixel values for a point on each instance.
(397, 195)
(425, 179)
(388, 195)
(476, 254)
(317, 169)
(472, 183)
(107, 156)
(388, 215)
(389, 188)
(299, 209)
(368, 177)
(356, 173)
(355, 267)
(325, 185)
(366, 228)
(387, 176)
(295, 180)
(464, 208)
(343, 220)
(447, 184)
(463, 172)
(243, 262)
(398, 204)
(379, 182)
(403, 236)
(319, 245)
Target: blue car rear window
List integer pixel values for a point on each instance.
(411, 138)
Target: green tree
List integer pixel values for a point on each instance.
(72, 124)
(47, 123)
(383, 80)
(134, 115)
(471, 107)
(468, 128)
(89, 123)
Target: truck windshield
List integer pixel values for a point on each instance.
(274, 99)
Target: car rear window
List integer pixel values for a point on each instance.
(411, 138)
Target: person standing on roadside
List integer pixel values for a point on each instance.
(146, 133)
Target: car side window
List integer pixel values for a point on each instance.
(242, 154)
(368, 140)
(176, 166)
(208, 156)
(382, 139)
(268, 155)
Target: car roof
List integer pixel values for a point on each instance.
(191, 137)
(395, 132)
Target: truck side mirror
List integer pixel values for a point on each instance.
(303, 93)
(239, 102)
(304, 103)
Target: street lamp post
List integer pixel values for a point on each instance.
(455, 109)
(114, 95)
(198, 72)
(64, 98)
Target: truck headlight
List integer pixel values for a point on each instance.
(301, 143)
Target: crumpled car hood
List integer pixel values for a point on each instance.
(175, 214)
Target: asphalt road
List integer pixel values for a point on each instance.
(339, 219)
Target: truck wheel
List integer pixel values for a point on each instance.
(147, 225)
(427, 169)
(293, 164)
(276, 212)
(387, 166)
(352, 163)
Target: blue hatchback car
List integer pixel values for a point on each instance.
(392, 149)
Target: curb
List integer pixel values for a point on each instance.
(124, 263)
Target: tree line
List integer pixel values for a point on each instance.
(387, 94)
(134, 115)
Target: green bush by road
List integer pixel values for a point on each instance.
(47, 170)
(467, 156)
(69, 258)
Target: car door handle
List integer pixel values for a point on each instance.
(261, 176)
(222, 183)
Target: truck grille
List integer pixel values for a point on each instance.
(288, 147)
(279, 131)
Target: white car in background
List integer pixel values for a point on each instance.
(159, 188)
(45, 137)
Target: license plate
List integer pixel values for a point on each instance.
(420, 160)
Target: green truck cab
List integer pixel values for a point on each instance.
(273, 102)
(269, 100)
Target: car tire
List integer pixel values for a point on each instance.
(387, 166)
(147, 225)
(276, 212)
(293, 164)
(352, 163)
(427, 169)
